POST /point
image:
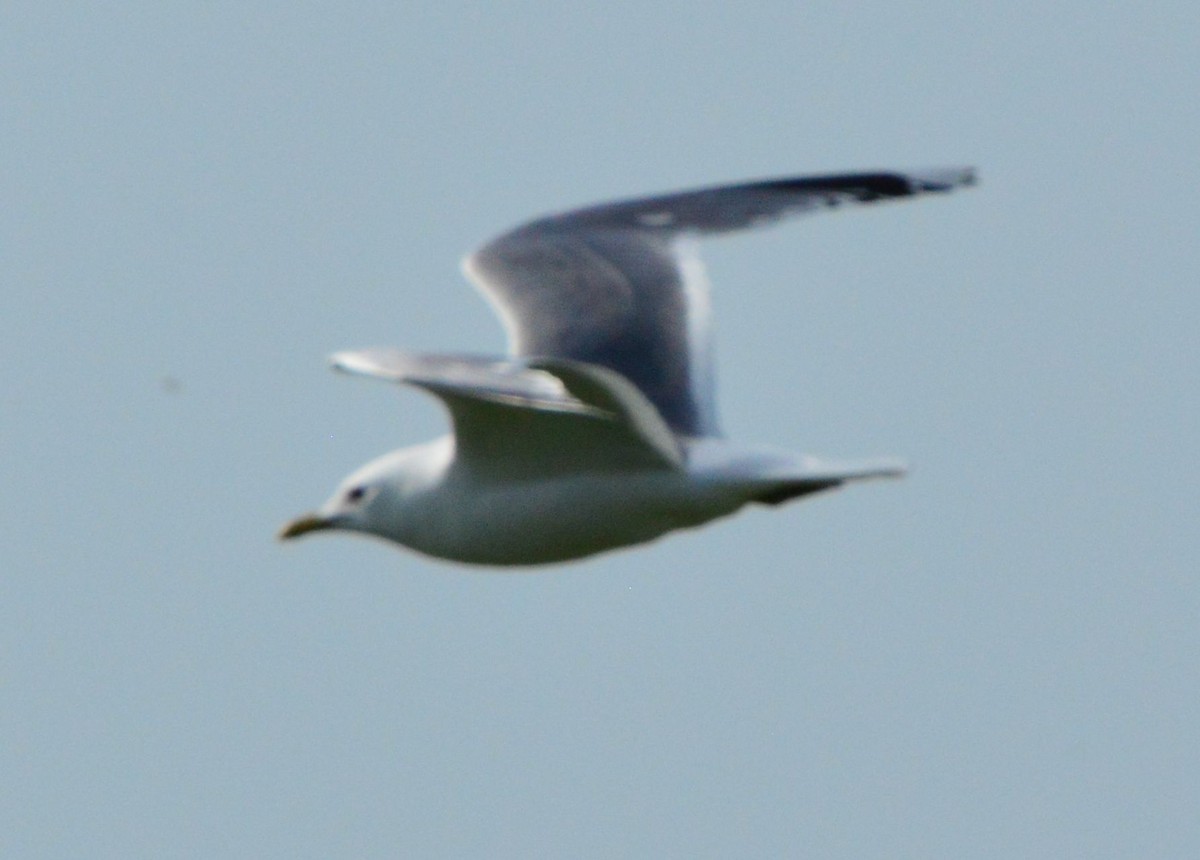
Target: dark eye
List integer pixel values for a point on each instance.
(356, 494)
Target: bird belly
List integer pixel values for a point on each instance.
(542, 522)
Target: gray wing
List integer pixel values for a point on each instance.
(613, 285)
(521, 420)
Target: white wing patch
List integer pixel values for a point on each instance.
(656, 219)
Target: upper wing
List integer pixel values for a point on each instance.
(518, 420)
(612, 285)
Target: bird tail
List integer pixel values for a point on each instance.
(824, 476)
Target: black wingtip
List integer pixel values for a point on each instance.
(877, 185)
(863, 187)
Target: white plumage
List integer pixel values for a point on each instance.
(599, 430)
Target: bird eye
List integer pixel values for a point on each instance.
(356, 494)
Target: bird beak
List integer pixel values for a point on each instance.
(304, 525)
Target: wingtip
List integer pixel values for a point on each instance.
(360, 362)
(943, 179)
(883, 468)
(856, 470)
(345, 361)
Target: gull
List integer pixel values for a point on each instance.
(599, 429)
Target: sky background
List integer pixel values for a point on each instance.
(997, 657)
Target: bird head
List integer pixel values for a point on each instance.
(374, 498)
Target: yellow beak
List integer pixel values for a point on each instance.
(303, 525)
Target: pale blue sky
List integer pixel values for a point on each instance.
(997, 657)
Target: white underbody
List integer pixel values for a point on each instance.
(449, 512)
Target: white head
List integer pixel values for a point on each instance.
(376, 498)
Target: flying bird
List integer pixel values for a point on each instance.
(599, 429)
